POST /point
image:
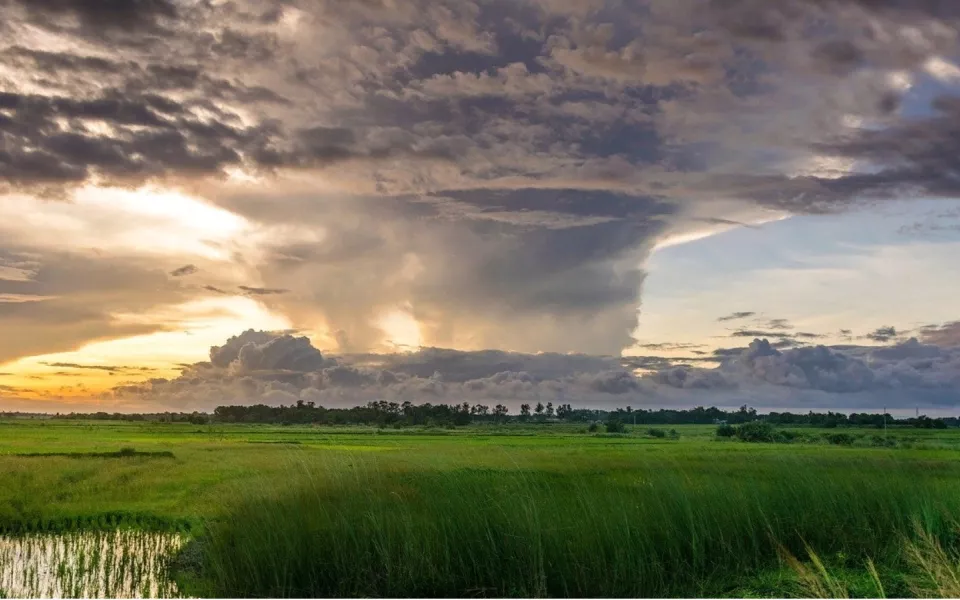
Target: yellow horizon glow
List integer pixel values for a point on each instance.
(199, 325)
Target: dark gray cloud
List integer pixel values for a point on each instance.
(258, 350)
(910, 369)
(838, 56)
(184, 270)
(521, 94)
(460, 366)
(149, 138)
(780, 333)
(669, 346)
(106, 13)
(883, 334)
(260, 291)
(107, 368)
(736, 316)
(910, 349)
(915, 157)
(947, 334)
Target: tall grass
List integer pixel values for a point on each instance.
(356, 529)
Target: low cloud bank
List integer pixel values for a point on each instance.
(279, 368)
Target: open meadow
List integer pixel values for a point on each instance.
(517, 510)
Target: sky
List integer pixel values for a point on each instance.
(600, 202)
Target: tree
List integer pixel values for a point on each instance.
(563, 411)
(524, 412)
(461, 417)
(539, 409)
(549, 409)
(499, 413)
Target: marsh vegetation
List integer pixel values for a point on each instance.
(532, 510)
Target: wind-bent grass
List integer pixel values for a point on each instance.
(359, 529)
(931, 570)
(938, 567)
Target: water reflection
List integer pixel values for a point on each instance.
(114, 564)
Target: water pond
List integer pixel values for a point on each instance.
(111, 564)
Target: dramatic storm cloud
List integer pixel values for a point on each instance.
(475, 174)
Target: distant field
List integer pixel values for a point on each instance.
(544, 509)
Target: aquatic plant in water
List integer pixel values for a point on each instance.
(112, 564)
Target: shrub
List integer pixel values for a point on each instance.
(788, 437)
(756, 431)
(883, 441)
(593, 428)
(726, 431)
(839, 439)
(674, 435)
(615, 426)
(657, 433)
(128, 451)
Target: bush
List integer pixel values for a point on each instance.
(839, 439)
(756, 431)
(593, 428)
(657, 433)
(674, 435)
(788, 437)
(726, 431)
(615, 426)
(881, 441)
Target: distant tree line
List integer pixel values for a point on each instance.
(374, 413)
(834, 419)
(385, 413)
(197, 418)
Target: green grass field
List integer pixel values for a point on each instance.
(541, 510)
